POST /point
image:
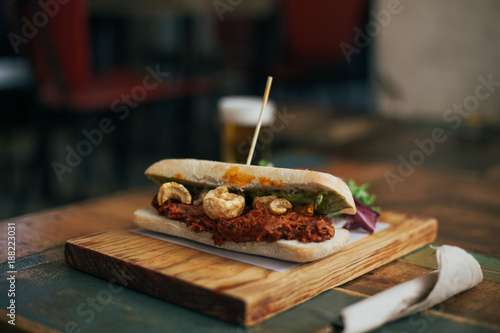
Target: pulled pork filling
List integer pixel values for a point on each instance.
(253, 225)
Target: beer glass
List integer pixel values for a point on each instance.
(239, 116)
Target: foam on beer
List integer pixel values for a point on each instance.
(245, 111)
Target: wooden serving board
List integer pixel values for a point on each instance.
(231, 290)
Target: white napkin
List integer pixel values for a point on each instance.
(457, 271)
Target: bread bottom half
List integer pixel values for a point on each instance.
(290, 250)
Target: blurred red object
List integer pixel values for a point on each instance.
(316, 29)
(60, 54)
(313, 32)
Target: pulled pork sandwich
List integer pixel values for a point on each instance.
(273, 212)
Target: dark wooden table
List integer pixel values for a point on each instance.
(51, 297)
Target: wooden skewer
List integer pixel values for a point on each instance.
(257, 129)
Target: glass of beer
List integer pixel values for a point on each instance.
(239, 115)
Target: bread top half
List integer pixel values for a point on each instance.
(251, 177)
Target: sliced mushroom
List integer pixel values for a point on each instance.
(265, 201)
(279, 206)
(220, 203)
(173, 190)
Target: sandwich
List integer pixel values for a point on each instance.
(274, 212)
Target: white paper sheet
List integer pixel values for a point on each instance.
(269, 263)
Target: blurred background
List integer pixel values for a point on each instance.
(93, 92)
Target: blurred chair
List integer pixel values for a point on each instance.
(60, 55)
(298, 43)
(313, 32)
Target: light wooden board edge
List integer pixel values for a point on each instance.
(252, 302)
(146, 280)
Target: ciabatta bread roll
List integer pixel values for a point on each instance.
(273, 212)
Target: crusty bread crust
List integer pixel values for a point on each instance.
(245, 177)
(290, 250)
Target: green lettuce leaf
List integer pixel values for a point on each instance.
(360, 192)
